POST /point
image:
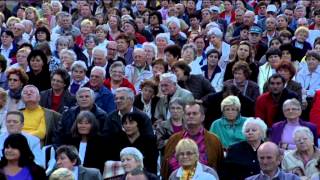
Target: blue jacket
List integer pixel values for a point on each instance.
(105, 99)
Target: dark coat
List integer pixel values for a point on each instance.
(198, 85)
(69, 116)
(67, 100)
(300, 53)
(41, 80)
(139, 104)
(213, 109)
(95, 151)
(253, 67)
(113, 124)
(277, 130)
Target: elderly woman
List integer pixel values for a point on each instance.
(303, 160)
(187, 154)
(78, 76)
(241, 73)
(68, 157)
(117, 78)
(282, 132)
(162, 41)
(241, 160)
(189, 54)
(228, 128)
(62, 42)
(17, 78)
(147, 100)
(172, 125)
(67, 58)
(90, 42)
(151, 51)
(198, 85)
(101, 33)
(131, 159)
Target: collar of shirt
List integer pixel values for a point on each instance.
(274, 177)
(75, 172)
(8, 49)
(121, 115)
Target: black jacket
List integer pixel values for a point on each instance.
(139, 104)
(68, 117)
(67, 100)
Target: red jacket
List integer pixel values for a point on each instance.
(315, 111)
(125, 83)
(233, 16)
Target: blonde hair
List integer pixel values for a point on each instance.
(231, 100)
(34, 10)
(86, 22)
(62, 174)
(187, 143)
(301, 29)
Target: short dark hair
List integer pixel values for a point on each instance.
(18, 141)
(273, 51)
(134, 116)
(123, 36)
(161, 62)
(3, 63)
(276, 76)
(175, 50)
(71, 152)
(155, 13)
(213, 51)
(150, 83)
(183, 66)
(91, 118)
(244, 66)
(64, 75)
(26, 44)
(287, 47)
(313, 53)
(316, 12)
(36, 52)
(42, 29)
(193, 103)
(18, 113)
(44, 47)
(7, 32)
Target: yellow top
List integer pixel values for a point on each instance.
(35, 122)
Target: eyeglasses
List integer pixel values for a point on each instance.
(14, 80)
(230, 109)
(57, 81)
(291, 109)
(187, 153)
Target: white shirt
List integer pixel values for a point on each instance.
(82, 151)
(195, 68)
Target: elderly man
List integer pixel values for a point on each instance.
(66, 26)
(18, 30)
(14, 123)
(268, 105)
(85, 100)
(269, 157)
(175, 31)
(124, 98)
(38, 121)
(271, 30)
(234, 25)
(99, 57)
(210, 148)
(170, 90)
(139, 70)
(103, 96)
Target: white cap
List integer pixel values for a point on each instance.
(272, 8)
(215, 8)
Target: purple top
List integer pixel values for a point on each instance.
(287, 135)
(23, 174)
(176, 128)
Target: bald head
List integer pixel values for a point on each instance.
(269, 146)
(269, 157)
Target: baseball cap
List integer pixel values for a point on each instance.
(255, 29)
(215, 8)
(272, 8)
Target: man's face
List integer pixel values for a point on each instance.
(268, 160)
(139, 58)
(13, 124)
(122, 101)
(289, 14)
(96, 78)
(239, 16)
(99, 59)
(254, 38)
(85, 11)
(299, 13)
(140, 6)
(248, 19)
(180, 9)
(18, 30)
(262, 10)
(140, 24)
(66, 22)
(85, 100)
(270, 24)
(112, 49)
(30, 95)
(194, 22)
(276, 86)
(167, 87)
(193, 115)
(122, 45)
(174, 29)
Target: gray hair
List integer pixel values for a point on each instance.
(91, 37)
(57, 2)
(31, 86)
(127, 91)
(178, 101)
(191, 46)
(99, 68)
(303, 129)
(135, 50)
(174, 20)
(103, 27)
(117, 64)
(79, 64)
(70, 53)
(165, 36)
(26, 22)
(134, 152)
(103, 50)
(216, 32)
(169, 76)
(62, 39)
(282, 16)
(231, 100)
(263, 126)
(84, 89)
(152, 45)
(293, 102)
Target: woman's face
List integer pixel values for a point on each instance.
(78, 74)
(312, 63)
(149, 52)
(285, 55)
(124, 11)
(129, 163)
(62, 45)
(42, 36)
(285, 73)
(176, 111)
(187, 158)
(86, 29)
(101, 35)
(291, 112)
(36, 64)
(90, 44)
(63, 161)
(84, 127)
(117, 74)
(301, 37)
(240, 5)
(213, 59)
(113, 22)
(188, 55)
(14, 82)
(66, 61)
(253, 132)
(130, 127)
(317, 48)
(147, 93)
(243, 51)
(57, 83)
(302, 141)
(244, 34)
(274, 61)
(55, 8)
(230, 112)
(30, 15)
(275, 44)
(157, 70)
(179, 73)
(239, 76)
(11, 154)
(46, 10)
(161, 43)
